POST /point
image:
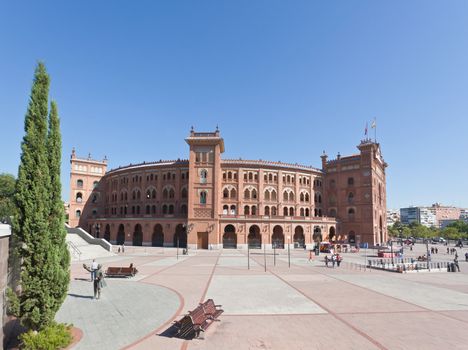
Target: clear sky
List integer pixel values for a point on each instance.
(284, 80)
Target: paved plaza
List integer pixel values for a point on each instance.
(305, 306)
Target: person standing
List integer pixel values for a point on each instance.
(123, 247)
(339, 258)
(333, 259)
(326, 260)
(94, 268)
(98, 283)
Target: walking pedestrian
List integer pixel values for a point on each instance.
(447, 250)
(326, 260)
(466, 256)
(333, 259)
(455, 261)
(123, 247)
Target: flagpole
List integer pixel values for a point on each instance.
(375, 130)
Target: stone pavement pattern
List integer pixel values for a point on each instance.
(307, 306)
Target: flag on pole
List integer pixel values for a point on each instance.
(374, 124)
(365, 130)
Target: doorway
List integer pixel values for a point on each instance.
(202, 240)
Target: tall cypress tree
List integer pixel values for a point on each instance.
(35, 300)
(61, 274)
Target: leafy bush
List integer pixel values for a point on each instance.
(53, 337)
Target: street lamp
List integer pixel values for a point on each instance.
(188, 229)
(289, 251)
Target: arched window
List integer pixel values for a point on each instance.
(148, 210)
(233, 210)
(273, 195)
(165, 193)
(267, 210)
(320, 198)
(250, 176)
(320, 212)
(270, 177)
(78, 213)
(306, 197)
(350, 197)
(79, 183)
(171, 193)
(307, 212)
(226, 193)
(273, 211)
(254, 193)
(164, 209)
(153, 194)
(203, 176)
(138, 194)
(148, 194)
(254, 210)
(267, 195)
(153, 209)
(247, 194)
(224, 176)
(291, 211)
(350, 181)
(246, 210)
(183, 209)
(285, 211)
(233, 193)
(138, 209)
(302, 212)
(171, 209)
(285, 196)
(301, 197)
(184, 193)
(79, 197)
(203, 197)
(225, 209)
(95, 184)
(291, 196)
(229, 175)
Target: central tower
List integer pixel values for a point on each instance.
(204, 187)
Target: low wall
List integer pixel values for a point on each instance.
(5, 233)
(90, 239)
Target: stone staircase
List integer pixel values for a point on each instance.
(84, 248)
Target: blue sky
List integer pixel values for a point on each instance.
(284, 80)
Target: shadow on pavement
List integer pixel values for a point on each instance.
(80, 296)
(171, 332)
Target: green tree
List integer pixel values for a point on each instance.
(61, 274)
(35, 301)
(7, 190)
(451, 233)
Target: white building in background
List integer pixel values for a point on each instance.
(393, 216)
(427, 217)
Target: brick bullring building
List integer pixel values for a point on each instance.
(208, 202)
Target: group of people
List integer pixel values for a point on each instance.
(333, 259)
(452, 251)
(434, 250)
(97, 277)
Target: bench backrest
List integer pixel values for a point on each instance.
(198, 315)
(209, 307)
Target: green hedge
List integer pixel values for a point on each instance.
(53, 337)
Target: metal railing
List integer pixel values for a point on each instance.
(74, 249)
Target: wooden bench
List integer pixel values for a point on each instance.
(198, 320)
(121, 272)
